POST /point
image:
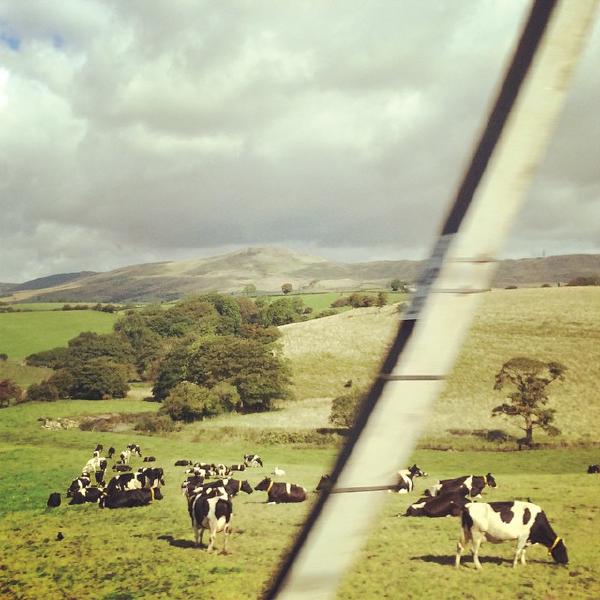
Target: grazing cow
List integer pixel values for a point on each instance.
(135, 449)
(278, 472)
(253, 460)
(130, 498)
(111, 452)
(78, 484)
(448, 505)
(281, 492)
(502, 521)
(467, 484)
(405, 479)
(88, 494)
(593, 469)
(121, 468)
(213, 514)
(324, 483)
(149, 459)
(125, 456)
(53, 500)
(182, 463)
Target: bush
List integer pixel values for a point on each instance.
(42, 392)
(56, 358)
(188, 402)
(156, 424)
(99, 379)
(9, 390)
(582, 281)
(511, 287)
(343, 408)
(3, 357)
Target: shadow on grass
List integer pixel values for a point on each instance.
(448, 560)
(179, 543)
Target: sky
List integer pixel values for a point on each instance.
(151, 130)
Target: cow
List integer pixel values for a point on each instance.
(182, 463)
(238, 467)
(448, 505)
(198, 471)
(190, 484)
(126, 481)
(130, 498)
(213, 514)
(593, 469)
(278, 472)
(125, 456)
(99, 478)
(88, 494)
(503, 521)
(281, 492)
(53, 500)
(154, 476)
(324, 482)
(78, 484)
(111, 452)
(417, 471)
(225, 487)
(405, 479)
(121, 468)
(98, 448)
(253, 460)
(95, 464)
(135, 449)
(149, 459)
(471, 485)
(221, 470)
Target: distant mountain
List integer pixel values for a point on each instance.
(267, 269)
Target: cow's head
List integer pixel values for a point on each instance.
(417, 472)
(263, 485)
(558, 550)
(246, 487)
(489, 479)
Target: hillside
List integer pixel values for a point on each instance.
(267, 269)
(561, 324)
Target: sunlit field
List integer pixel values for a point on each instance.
(148, 552)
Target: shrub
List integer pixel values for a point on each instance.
(9, 390)
(56, 358)
(156, 424)
(587, 280)
(98, 379)
(511, 287)
(187, 402)
(343, 408)
(42, 392)
(3, 356)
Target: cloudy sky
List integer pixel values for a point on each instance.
(155, 130)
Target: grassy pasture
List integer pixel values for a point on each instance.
(23, 333)
(148, 552)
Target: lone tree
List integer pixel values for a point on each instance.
(286, 288)
(528, 378)
(399, 285)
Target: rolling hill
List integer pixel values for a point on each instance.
(268, 268)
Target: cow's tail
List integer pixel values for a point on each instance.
(465, 518)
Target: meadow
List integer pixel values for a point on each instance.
(148, 552)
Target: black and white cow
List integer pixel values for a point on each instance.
(111, 452)
(447, 505)
(183, 463)
(238, 467)
(121, 468)
(78, 484)
(503, 521)
(190, 484)
(221, 470)
(278, 492)
(126, 481)
(88, 494)
(405, 479)
(154, 476)
(471, 485)
(53, 500)
(135, 449)
(213, 514)
(97, 463)
(125, 456)
(149, 459)
(593, 469)
(98, 448)
(130, 498)
(253, 460)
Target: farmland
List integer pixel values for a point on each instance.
(148, 552)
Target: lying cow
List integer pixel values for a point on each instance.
(405, 479)
(213, 514)
(593, 469)
(88, 494)
(471, 485)
(281, 492)
(121, 468)
(154, 476)
(149, 459)
(53, 500)
(503, 521)
(253, 460)
(130, 498)
(78, 484)
(448, 505)
(238, 467)
(182, 463)
(221, 470)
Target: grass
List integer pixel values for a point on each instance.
(561, 324)
(23, 333)
(22, 374)
(148, 552)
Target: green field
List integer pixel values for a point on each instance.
(148, 552)
(23, 333)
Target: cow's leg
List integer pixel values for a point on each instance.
(461, 545)
(211, 539)
(520, 551)
(476, 541)
(226, 532)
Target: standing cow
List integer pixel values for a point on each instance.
(503, 521)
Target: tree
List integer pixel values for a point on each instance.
(399, 285)
(99, 378)
(286, 288)
(249, 289)
(9, 390)
(381, 299)
(186, 402)
(528, 378)
(42, 392)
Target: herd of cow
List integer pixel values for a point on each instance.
(210, 503)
